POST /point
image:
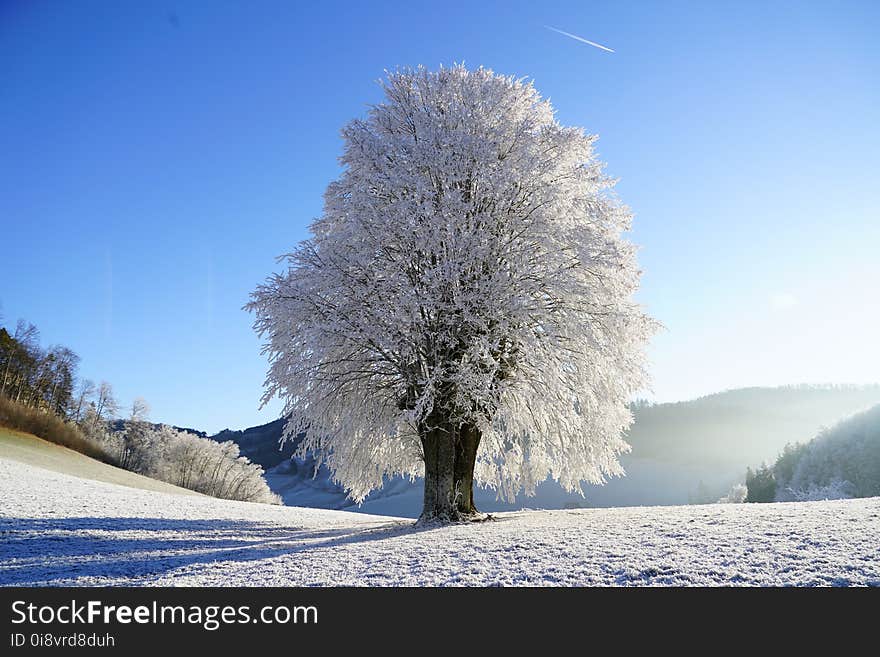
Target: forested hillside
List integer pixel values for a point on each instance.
(840, 462)
(744, 425)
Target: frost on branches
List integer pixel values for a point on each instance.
(464, 307)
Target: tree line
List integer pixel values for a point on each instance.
(41, 393)
(36, 377)
(45, 379)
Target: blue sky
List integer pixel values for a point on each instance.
(156, 157)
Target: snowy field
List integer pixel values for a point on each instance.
(58, 529)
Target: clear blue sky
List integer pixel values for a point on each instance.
(156, 157)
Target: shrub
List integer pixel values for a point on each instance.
(737, 495)
(190, 461)
(48, 426)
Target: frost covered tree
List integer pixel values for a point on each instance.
(463, 309)
(105, 403)
(84, 393)
(140, 410)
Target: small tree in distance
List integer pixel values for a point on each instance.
(463, 310)
(140, 410)
(760, 484)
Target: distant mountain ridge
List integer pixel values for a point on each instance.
(119, 425)
(261, 444)
(681, 452)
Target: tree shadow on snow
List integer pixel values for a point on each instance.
(125, 551)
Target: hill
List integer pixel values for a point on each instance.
(841, 462)
(260, 444)
(681, 452)
(748, 422)
(63, 530)
(32, 451)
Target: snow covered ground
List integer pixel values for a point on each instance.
(58, 529)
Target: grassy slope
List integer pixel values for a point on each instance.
(30, 450)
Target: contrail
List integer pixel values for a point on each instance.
(581, 39)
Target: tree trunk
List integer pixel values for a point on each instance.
(450, 455)
(6, 372)
(439, 451)
(429, 450)
(465, 458)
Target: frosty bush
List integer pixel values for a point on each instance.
(836, 489)
(736, 495)
(189, 461)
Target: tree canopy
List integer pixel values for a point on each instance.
(469, 270)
